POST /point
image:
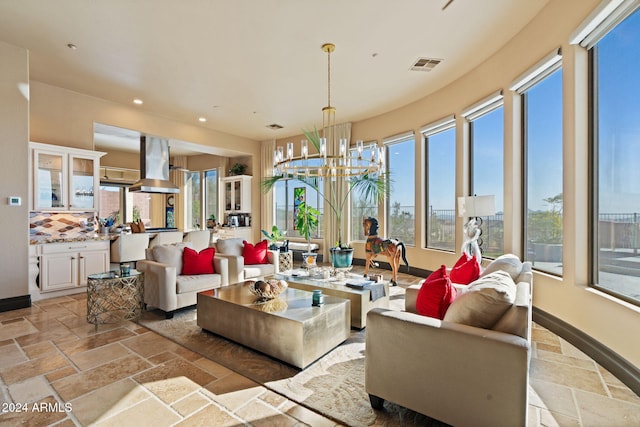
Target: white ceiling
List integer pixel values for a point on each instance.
(245, 64)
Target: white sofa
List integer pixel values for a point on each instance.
(459, 374)
(232, 249)
(164, 285)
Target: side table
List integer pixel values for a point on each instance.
(286, 260)
(112, 298)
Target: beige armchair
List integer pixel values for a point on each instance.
(129, 248)
(458, 374)
(238, 270)
(164, 285)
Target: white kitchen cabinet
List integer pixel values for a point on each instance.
(237, 193)
(64, 179)
(67, 265)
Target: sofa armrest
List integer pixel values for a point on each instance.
(410, 357)
(235, 267)
(410, 298)
(159, 285)
(221, 266)
(274, 258)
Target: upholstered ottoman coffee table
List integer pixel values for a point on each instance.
(287, 328)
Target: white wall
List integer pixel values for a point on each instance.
(14, 135)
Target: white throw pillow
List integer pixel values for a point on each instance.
(233, 246)
(507, 262)
(484, 302)
(170, 254)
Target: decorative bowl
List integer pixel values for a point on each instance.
(268, 289)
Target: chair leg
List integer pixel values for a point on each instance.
(168, 314)
(376, 402)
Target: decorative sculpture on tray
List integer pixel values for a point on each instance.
(393, 249)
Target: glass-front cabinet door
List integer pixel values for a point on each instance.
(49, 177)
(64, 179)
(237, 194)
(227, 196)
(81, 185)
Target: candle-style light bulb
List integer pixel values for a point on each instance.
(289, 150)
(304, 148)
(359, 147)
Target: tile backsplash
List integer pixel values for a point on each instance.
(61, 225)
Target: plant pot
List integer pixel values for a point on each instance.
(341, 257)
(309, 259)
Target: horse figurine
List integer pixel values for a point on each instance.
(393, 249)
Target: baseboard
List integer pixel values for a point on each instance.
(14, 303)
(621, 368)
(414, 271)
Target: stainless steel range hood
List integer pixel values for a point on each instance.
(154, 167)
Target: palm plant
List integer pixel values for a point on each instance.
(307, 222)
(372, 188)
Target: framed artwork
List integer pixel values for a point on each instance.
(299, 195)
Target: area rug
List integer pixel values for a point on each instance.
(332, 386)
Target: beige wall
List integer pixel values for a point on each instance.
(62, 117)
(608, 320)
(569, 298)
(14, 135)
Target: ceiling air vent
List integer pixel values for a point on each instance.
(425, 64)
(274, 126)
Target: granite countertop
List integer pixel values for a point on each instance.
(91, 237)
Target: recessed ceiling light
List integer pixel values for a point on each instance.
(137, 101)
(72, 46)
(202, 119)
(274, 126)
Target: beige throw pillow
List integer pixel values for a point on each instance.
(233, 246)
(507, 262)
(170, 254)
(485, 301)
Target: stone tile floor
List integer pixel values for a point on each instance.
(55, 369)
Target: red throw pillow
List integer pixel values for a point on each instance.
(436, 294)
(194, 262)
(255, 254)
(465, 270)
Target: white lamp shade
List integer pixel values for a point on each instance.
(476, 206)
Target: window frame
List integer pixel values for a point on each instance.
(434, 128)
(387, 143)
(471, 114)
(540, 71)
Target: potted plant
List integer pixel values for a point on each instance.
(306, 222)
(238, 169)
(372, 188)
(274, 237)
(211, 222)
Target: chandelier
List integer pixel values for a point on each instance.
(331, 157)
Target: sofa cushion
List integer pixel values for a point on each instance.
(258, 270)
(515, 320)
(436, 294)
(485, 301)
(231, 246)
(197, 283)
(507, 262)
(169, 254)
(255, 254)
(194, 262)
(465, 270)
